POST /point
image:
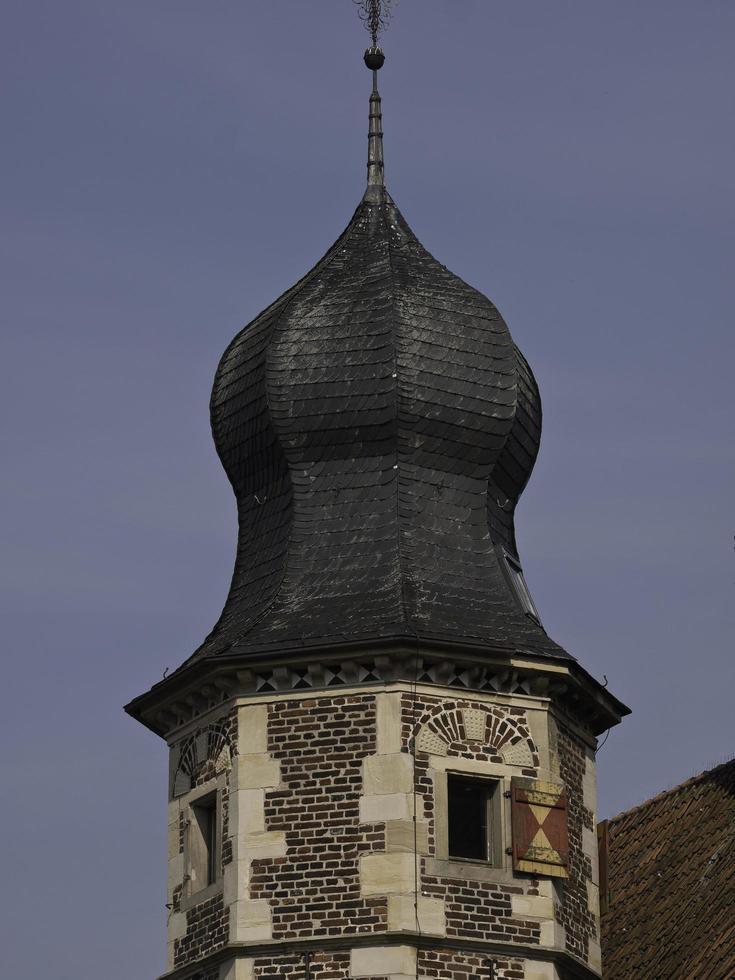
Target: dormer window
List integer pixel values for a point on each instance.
(515, 574)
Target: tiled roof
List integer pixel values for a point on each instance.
(672, 884)
(378, 425)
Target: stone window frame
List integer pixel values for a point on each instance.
(212, 787)
(442, 865)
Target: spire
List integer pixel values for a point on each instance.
(375, 14)
(374, 59)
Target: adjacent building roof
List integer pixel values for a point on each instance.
(378, 425)
(671, 867)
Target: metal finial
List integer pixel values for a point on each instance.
(376, 167)
(375, 15)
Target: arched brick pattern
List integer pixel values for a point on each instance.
(472, 730)
(205, 754)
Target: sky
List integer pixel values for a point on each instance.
(168, 169)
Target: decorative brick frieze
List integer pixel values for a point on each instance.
(522, 676)
(496, 734)
(203, 756)
(368, 671)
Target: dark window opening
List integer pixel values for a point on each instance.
(473, 819)
(203, 843)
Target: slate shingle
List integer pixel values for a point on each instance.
(378, 425)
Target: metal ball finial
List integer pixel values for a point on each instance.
(374, 58)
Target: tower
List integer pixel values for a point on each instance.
(380, 764)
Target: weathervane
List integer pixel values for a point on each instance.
(375, 15)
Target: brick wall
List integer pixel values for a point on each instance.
(323, 966)
(315, 889)
(432, 964)
(442, 964)
(573, 911)
(206, 931)
(480, 910)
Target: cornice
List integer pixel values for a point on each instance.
(194, 691)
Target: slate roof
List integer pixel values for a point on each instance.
(378, 425)
(672, 884)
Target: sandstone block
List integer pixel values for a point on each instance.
(553, 935)
(380, 961)
(402, 915)
(400, 835)
(391, 806)
(252, 729)
(235, 881)
(594, 956)
(388, 717)
(176, 926)
(262, 845)
(247, 811)
(387, 874)
(387, 774)
(534, 905)
(257, 771)
(541, 971)
(251, 921)
(240, 969)
(475, 722)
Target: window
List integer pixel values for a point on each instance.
(203, 843)
(474, 819)
(515, 573)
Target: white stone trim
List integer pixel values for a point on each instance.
(254, 773)
(239, 969)
(379, 961)
(403, 913)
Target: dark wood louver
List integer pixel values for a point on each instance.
(539, 819)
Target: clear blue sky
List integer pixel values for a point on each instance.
(168, 168)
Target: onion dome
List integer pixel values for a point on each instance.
(378, 425)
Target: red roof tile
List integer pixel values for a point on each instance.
(672, 884)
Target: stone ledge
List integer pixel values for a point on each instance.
(538, 957)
